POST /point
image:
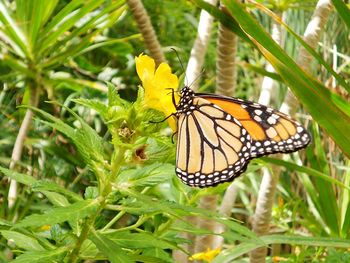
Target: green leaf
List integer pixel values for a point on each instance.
(345, 207)
(154, 255)
(310, 49)
(327, 201)
(95, 23)
(75, 211)
(22, 241)
(97, 105)
(343, 11)
(230, 254)
(4, 222)
(139, 240)
(86, 139)
(115, 46)
(263, 72)
(16, 64)
(19, 177)
(64, 23)
(109, 248)
(307, 241)
(35, 10)
(56, 199)
(145, 204)
(53, 187)
(295, 167)
(149, 175)
(75, 82)
(51, 256)
(227, 20)
(13, 32)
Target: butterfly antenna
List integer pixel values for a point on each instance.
(197, 78)
(182, 66)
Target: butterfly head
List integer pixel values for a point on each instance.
(186, 99)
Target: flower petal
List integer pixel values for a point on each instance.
(145, 67)
(157, 84)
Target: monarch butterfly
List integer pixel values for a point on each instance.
(217, 136)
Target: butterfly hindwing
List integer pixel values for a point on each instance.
(271, 130)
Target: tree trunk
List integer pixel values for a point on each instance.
(199, 49)
(144, 23)
(18, 147)
(225, 63)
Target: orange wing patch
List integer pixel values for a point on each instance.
(231, 108)
(241, 114)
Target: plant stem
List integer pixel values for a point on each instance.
(104, 190)
(144, 23)
(115, 219)
(18, 147)
(73, 257)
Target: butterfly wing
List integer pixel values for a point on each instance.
(213, 147)
(271, 130)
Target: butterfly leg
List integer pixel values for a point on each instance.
(173, 96)
(172, 137)
(173, 114)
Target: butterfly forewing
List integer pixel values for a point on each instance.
(213, 147)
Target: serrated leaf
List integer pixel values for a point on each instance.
(53, 187)
(4, 222)
(150, 175)
(22, 241)
(110, 249)
(51, 256)
(139, 240)
(150, 256)
(88, 249)
(56, 199)
(75, 211)
(97, 105)
(145, 204)
(19, 177)
(86, 139)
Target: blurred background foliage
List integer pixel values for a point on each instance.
(96, 178)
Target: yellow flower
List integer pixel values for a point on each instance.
(45, 227)
(157, 84)
(207, 256)
(278, 259)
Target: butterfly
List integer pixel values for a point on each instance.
(217, 136)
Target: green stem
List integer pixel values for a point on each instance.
(164, 227)
(88, 224)
(135, 226)
(115, 219)
(104, 190)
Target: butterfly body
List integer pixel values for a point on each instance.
(218, 136)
